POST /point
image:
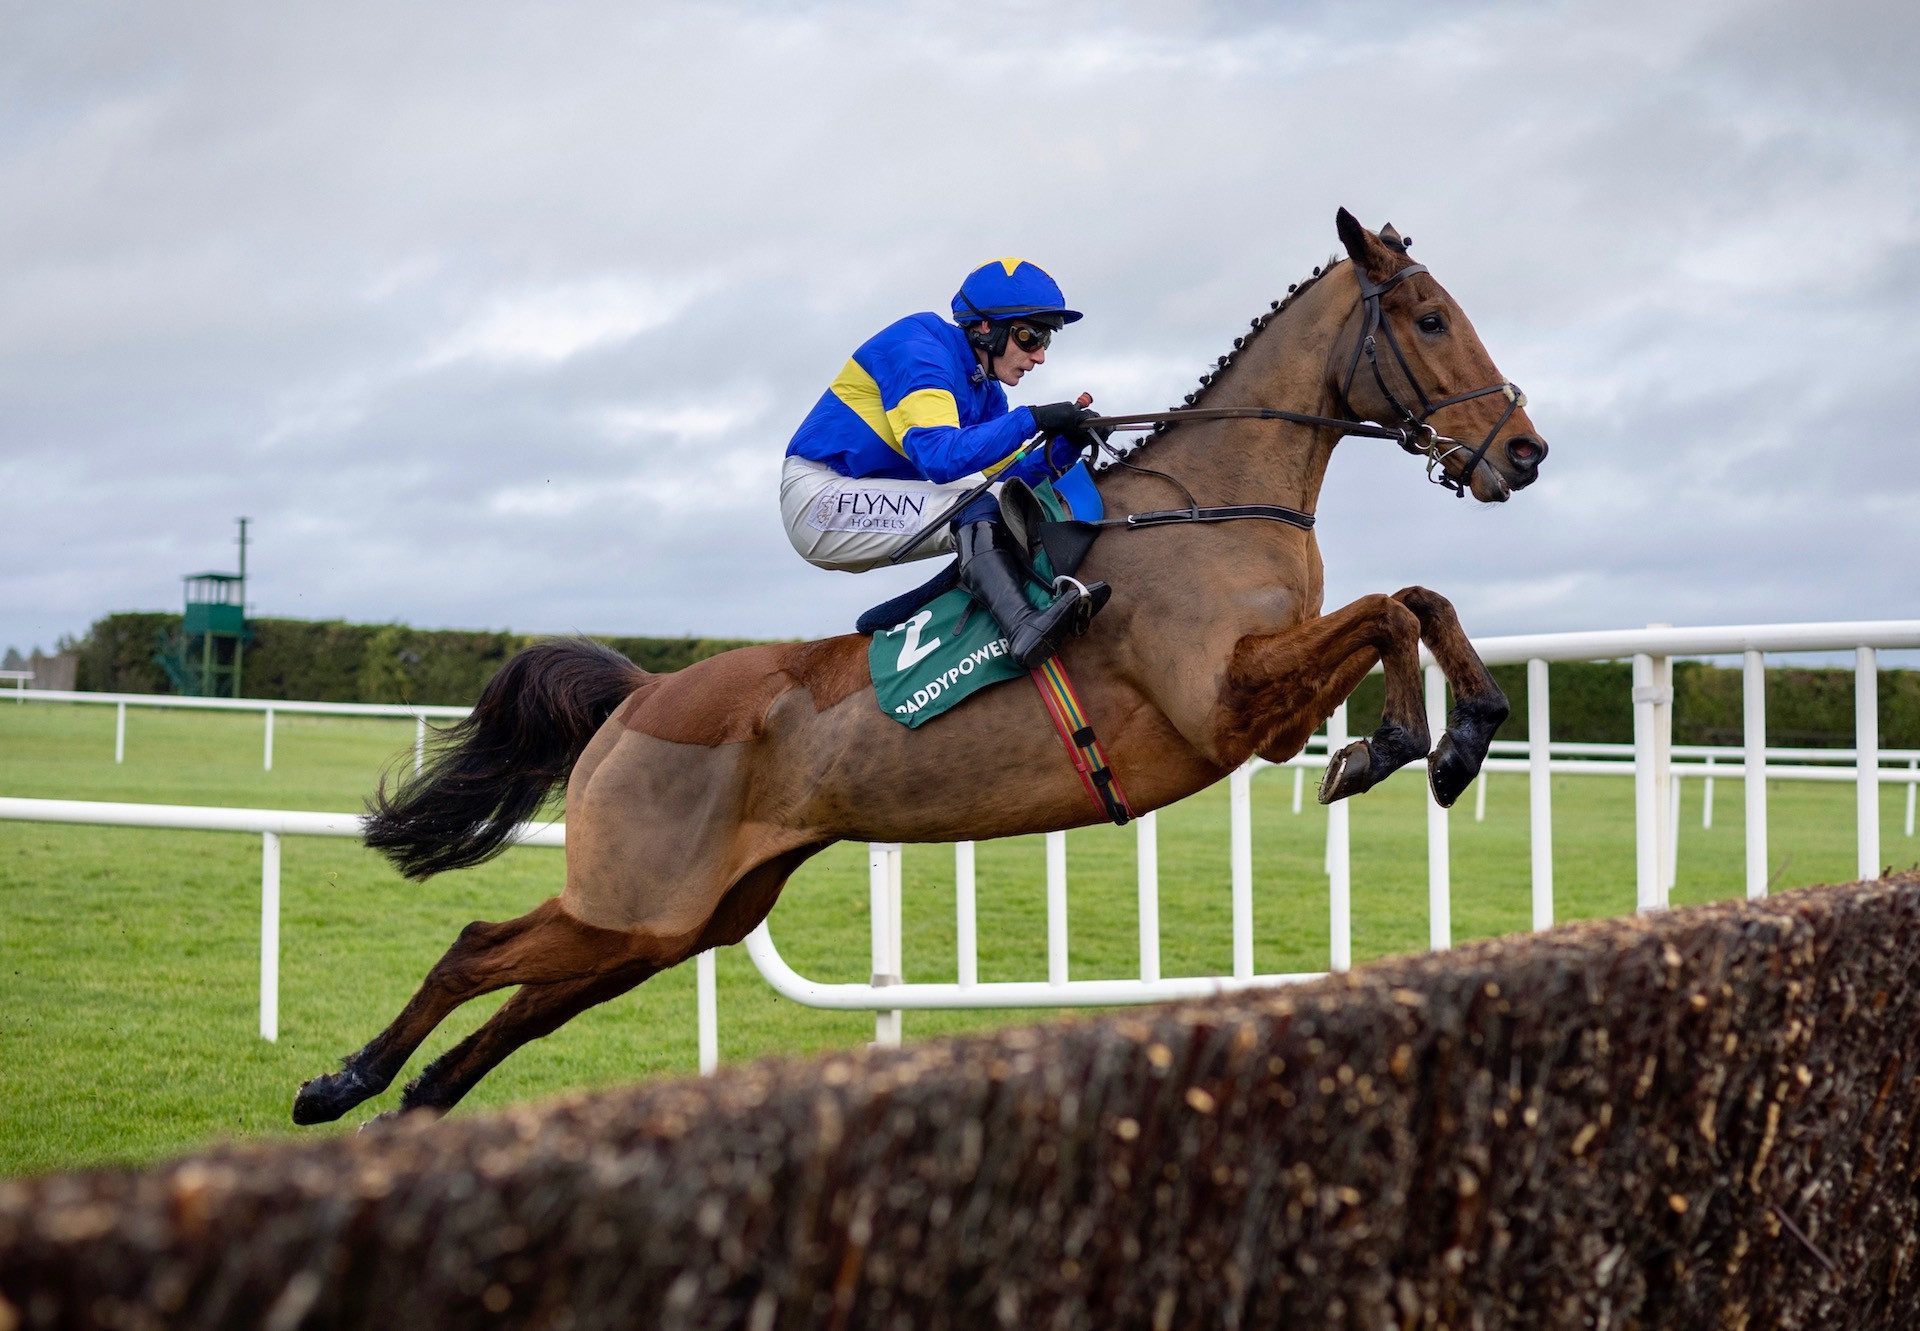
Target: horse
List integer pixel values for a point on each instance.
(692, 796)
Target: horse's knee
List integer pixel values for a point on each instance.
(1401, 624)
(1423, 601)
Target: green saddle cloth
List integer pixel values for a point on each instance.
(950, 648)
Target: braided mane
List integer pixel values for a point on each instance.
(1198, 396)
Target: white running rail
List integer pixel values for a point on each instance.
(1655, 771)
(266, 706)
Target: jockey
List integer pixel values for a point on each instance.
(919, 416)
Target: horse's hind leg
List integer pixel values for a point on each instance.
(1478, 704)
(544, 945)
(541, 1009)
(535, 1011)
(1283, 685)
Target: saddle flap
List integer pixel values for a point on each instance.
(1057, 520)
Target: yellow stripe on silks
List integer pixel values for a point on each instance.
(856, 388)
(928, 408)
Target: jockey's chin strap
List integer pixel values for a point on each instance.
(1413, 433)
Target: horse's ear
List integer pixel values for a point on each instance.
(1363, 248)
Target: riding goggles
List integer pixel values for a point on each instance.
(1030, 339)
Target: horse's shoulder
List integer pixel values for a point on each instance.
(724, 699)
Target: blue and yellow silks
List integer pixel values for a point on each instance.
(908, 405)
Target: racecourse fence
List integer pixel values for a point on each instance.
(1656, 765)
(1703, 1118)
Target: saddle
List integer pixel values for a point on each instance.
(931, 651)
(1060, 527)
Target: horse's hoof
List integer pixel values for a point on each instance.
(1449, 772)
(1350, 773)
(327, 1097)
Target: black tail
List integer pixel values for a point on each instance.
(488, 773)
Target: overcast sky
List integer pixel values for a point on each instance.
(500, 316)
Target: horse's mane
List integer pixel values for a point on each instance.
(1198, 396)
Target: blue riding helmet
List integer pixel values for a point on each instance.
(1003, 289)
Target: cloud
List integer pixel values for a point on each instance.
(492, 316)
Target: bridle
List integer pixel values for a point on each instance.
(1412, 433)
(1415, 435)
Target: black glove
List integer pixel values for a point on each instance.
(1061, 417)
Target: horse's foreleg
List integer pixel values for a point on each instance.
(545, 944)
(1281, 687)
(1478, 704)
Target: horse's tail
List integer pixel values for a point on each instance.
(488, 773)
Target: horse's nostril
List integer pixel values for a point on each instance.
(1526, 451)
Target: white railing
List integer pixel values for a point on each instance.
(19, 679)
(268, 706)
(1656, 802)
(1655, 771)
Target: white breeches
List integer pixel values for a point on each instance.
(851, 525)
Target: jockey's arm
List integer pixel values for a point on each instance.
(948, 451)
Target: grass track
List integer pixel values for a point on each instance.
(130, 956)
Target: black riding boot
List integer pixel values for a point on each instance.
(991, 575)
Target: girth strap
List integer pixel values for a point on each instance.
(1082, 745)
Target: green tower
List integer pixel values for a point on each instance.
(205, 658)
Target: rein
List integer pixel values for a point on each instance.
(1413, 433)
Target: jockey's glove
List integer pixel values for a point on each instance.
(1061, 417)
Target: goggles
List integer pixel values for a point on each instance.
(1028, 338)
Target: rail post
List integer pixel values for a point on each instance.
(1866, 757)
(1147, 855)
(1056, 908)
(966, 919)
(1540, 792)
(1913, 770)
(883, 892)
(270, 936)
(1652, 706)
(266, 759)
(707, 1010)
(1240, 854)
(1439, 852)
(1339, 868)
(1753, 705)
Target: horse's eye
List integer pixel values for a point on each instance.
(1432, 323)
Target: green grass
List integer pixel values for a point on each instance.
(130, 957)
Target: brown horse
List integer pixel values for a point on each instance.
(692, 797)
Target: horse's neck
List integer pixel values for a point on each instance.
(1286, 368)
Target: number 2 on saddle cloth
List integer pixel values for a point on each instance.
(942, 650)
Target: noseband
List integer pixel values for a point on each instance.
(1415, 435)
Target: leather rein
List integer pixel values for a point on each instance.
(1413, 433)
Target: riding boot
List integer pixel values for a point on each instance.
(991, 575)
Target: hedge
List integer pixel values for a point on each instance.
(333, 661)
(1593, 702)
(1703, 1118)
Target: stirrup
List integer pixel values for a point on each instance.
(1088, 598)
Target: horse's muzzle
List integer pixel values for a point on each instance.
(1524, 456)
